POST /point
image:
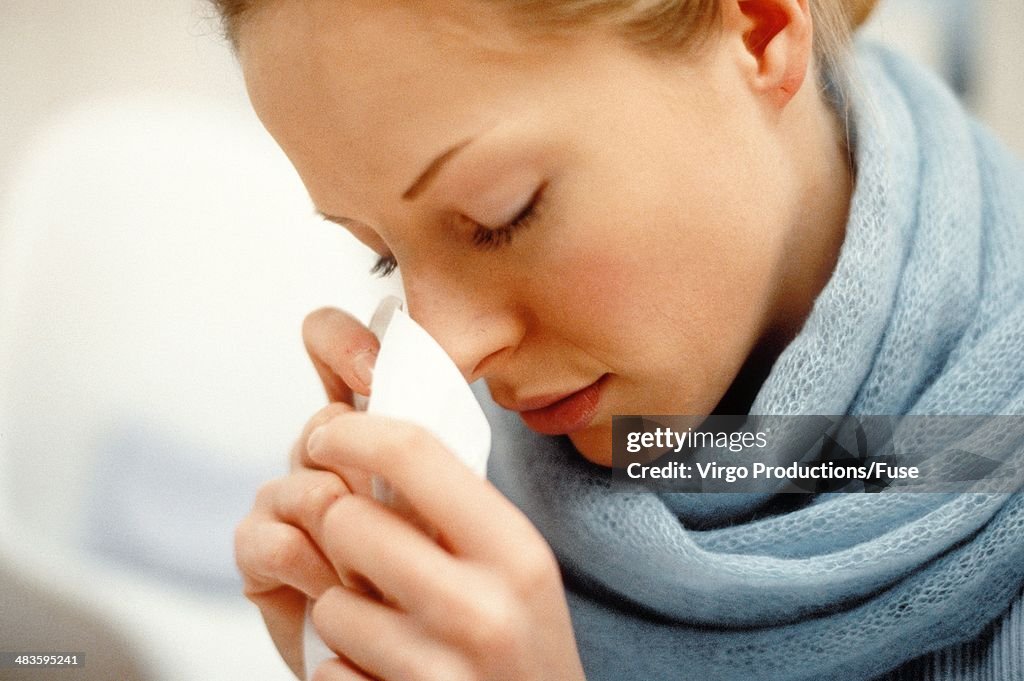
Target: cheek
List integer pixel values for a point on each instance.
(599, 290)
(675, 316)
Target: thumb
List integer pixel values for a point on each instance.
(343, 352)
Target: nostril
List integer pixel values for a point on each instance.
(485, 365)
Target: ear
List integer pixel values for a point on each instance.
(776, 43)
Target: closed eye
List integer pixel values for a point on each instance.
(384, 267)
(484, 238)
(489, 238)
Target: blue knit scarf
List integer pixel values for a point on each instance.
(924, 314)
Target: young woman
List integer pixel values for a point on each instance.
(634, 207)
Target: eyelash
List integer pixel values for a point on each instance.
(384, 267)
(492, 238)
(484, 238)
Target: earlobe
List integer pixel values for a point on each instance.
(776, 36)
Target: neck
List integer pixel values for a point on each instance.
(825, 184)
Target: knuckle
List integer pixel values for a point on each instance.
(317, 319)
(266, 556)
(336, 330)
(243, 532)
(407, 436)
(408, 439)
(317, 497)
(242, 539)
(284, 551)
(267, 492)
(533, 569)
(492, 624)
(337, 518)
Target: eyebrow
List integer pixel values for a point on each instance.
(344, 222)
(418, 186)
(431, 171)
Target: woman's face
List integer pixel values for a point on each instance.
(592, 230)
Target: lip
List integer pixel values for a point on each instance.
(563, 414)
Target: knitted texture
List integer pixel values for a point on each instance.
(996, 655)
(924, 314)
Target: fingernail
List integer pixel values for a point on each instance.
(362, 367)
(315, 439)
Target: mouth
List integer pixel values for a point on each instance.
(565, 413)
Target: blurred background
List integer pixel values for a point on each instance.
(157, 256)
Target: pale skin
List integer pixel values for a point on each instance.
(687, 211)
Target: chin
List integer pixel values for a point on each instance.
(594, 443)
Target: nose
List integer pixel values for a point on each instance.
(475, 327)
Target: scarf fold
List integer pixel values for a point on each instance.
(924, 314)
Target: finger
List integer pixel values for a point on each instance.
(358, 480)
(334, 386)
(472, 517)
(301, 498)
(273, 554)
(343, 351)
(284, 613)
(272, 546)
(381, 640)
(359, 535)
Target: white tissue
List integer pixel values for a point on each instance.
(415, 380)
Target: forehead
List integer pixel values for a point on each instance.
(356, 90)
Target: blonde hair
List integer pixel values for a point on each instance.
(655, 24)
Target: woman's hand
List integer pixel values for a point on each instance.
(342, 350)
(479, 597)
(281, 566)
